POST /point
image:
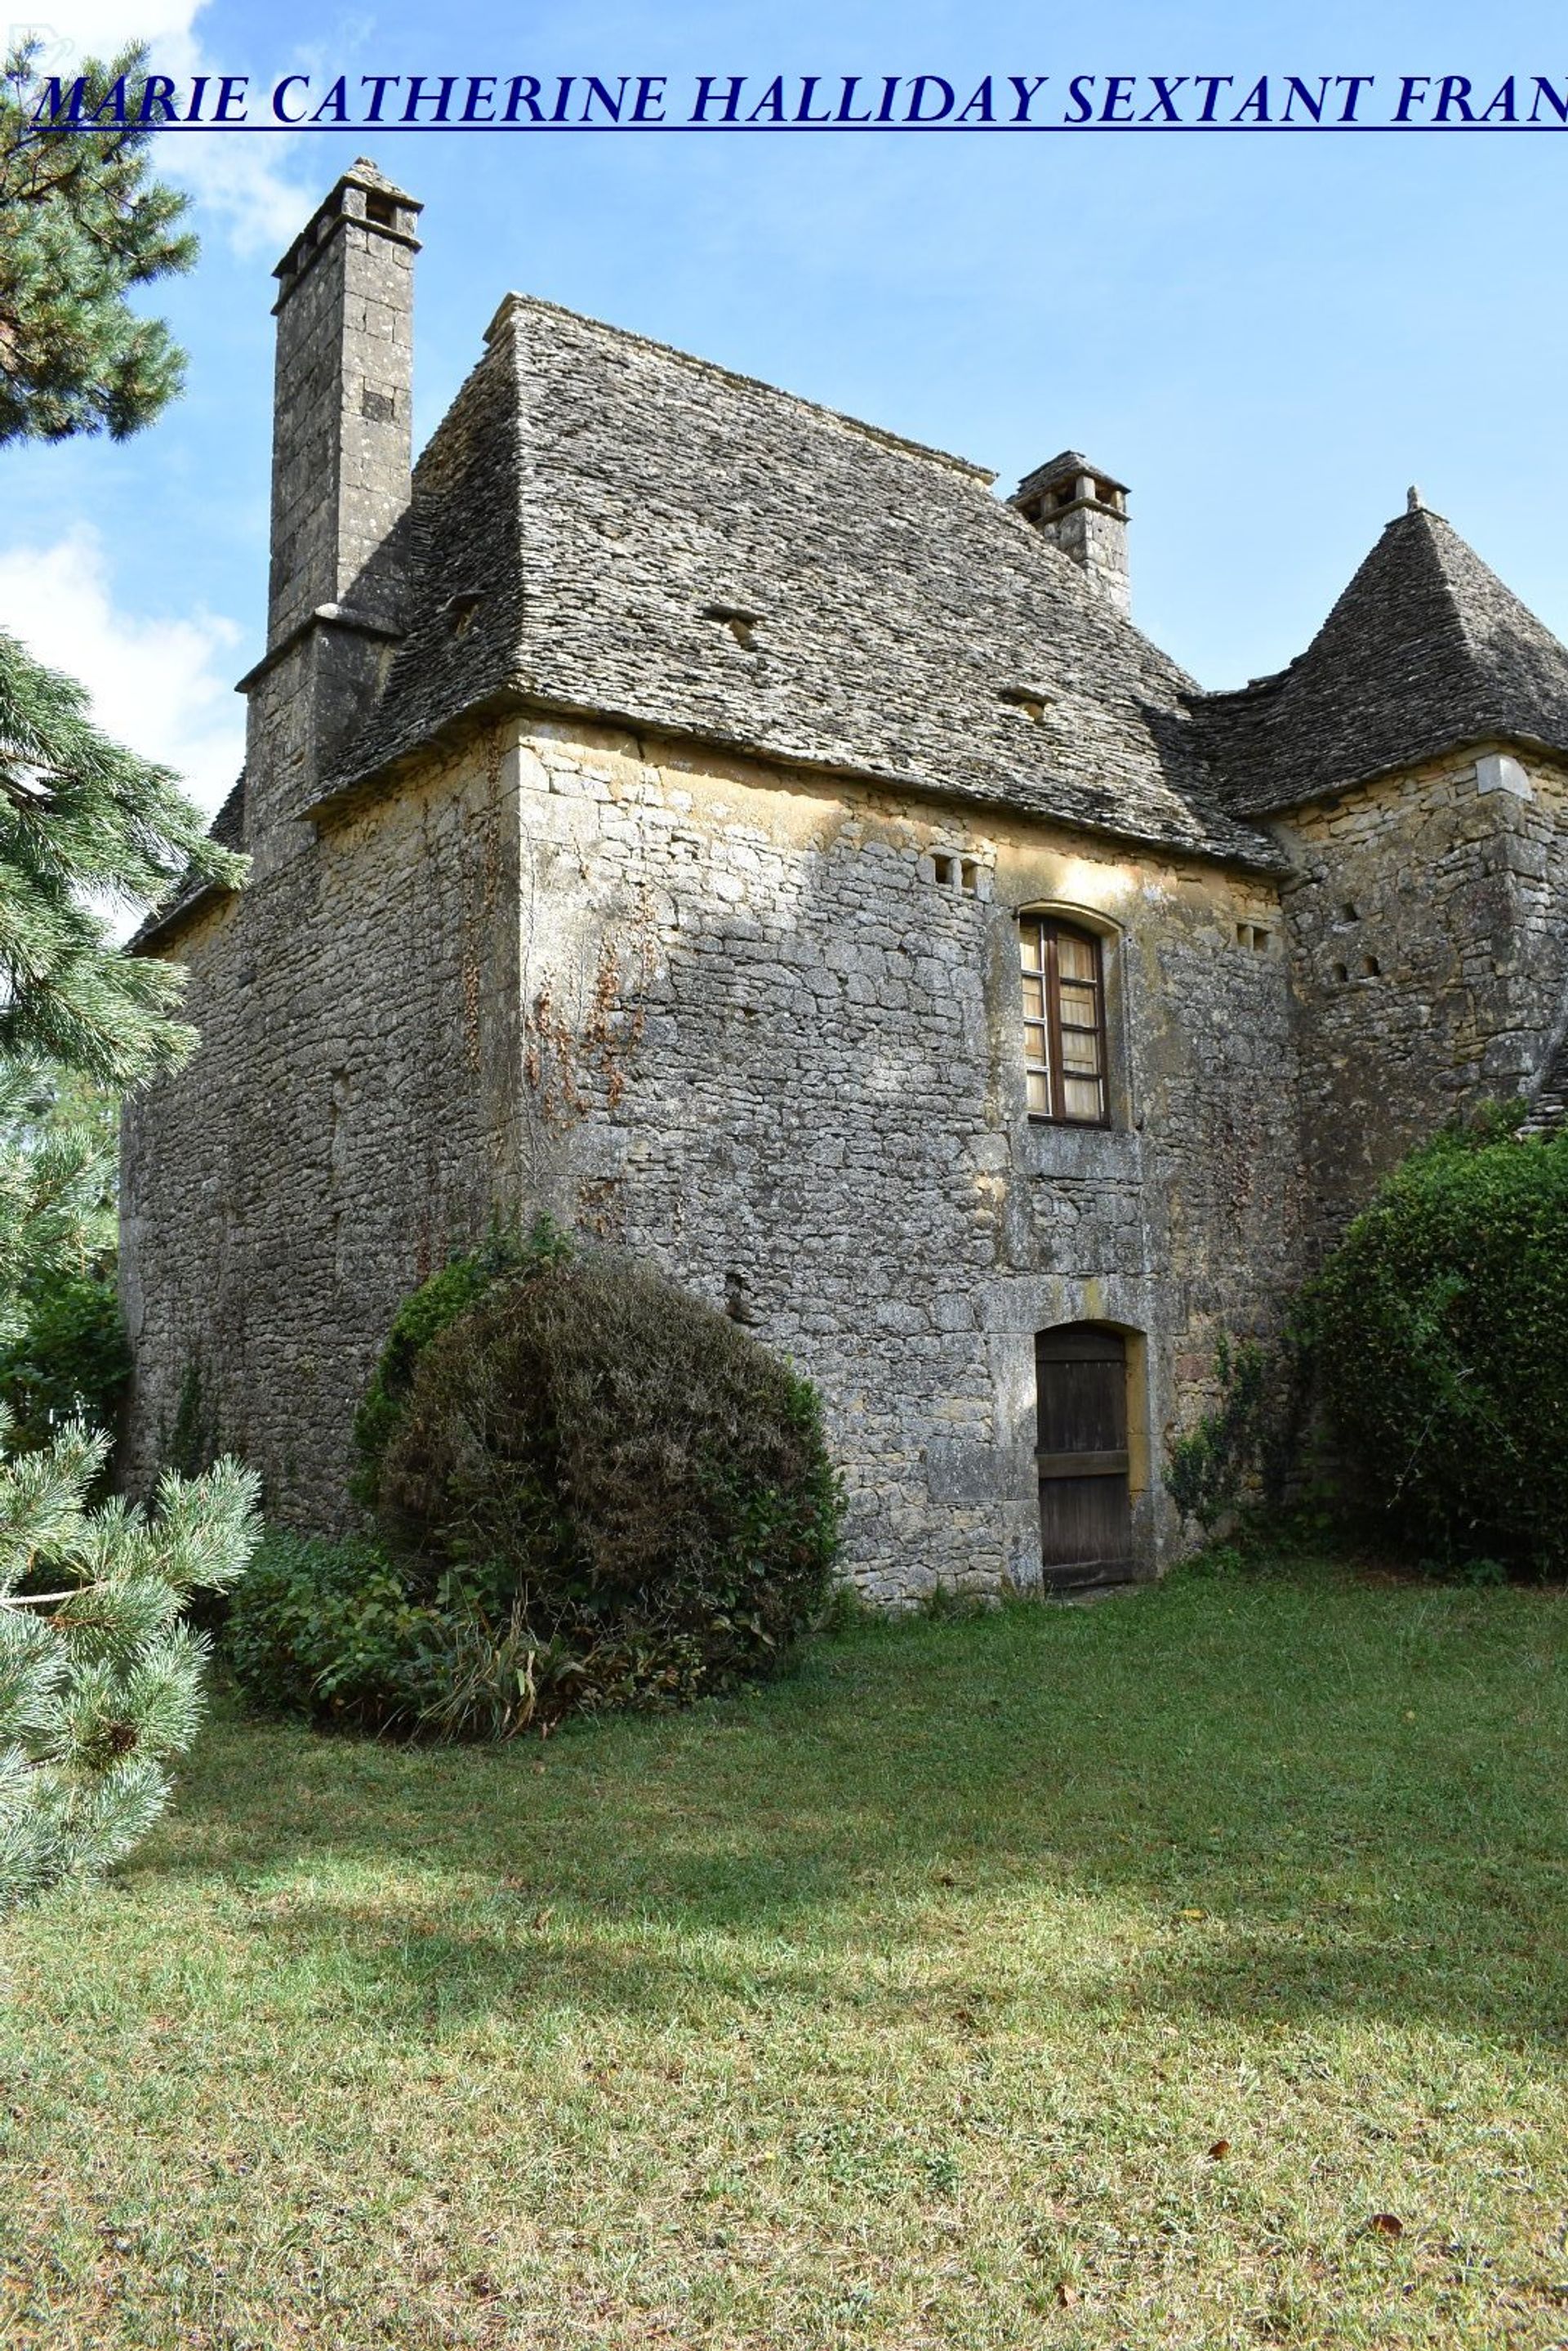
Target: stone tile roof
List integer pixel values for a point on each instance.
(228, 829)
(606, 525)
(1425, 650)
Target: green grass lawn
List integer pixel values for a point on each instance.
(1072, 1977)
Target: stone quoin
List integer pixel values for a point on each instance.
(736, 830)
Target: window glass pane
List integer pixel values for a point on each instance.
(1076, 958)
(1063, 1056)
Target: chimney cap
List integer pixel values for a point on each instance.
(1068, 465)
(377, 203)
(367, 174)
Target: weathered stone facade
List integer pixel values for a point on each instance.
(729, 1018)
(613, 856)
(1428, 956)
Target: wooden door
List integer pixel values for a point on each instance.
(1086, 1508)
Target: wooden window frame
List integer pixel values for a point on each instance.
(1049, 929)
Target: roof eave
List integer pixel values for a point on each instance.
(1447, 746)
(345, 793)
(158, 925)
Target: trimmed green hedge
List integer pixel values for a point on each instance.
(1439, 1336)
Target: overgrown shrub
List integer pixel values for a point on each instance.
(592, 1491)
(1439, 1335)
(428, 1310)
(335, 1632)
(654, 1482)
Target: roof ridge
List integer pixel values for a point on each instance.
(511, 303)
(1450, 542)
(1423, 523)
(1427, 519)
(589, 495)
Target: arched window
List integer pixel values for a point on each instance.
(1064, 1022)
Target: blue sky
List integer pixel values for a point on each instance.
(1267, 338)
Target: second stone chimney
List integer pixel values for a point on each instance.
(1085, 512)
(342, 427)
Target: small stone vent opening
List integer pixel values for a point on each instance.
(461, 610)
(1341, 974)
(1254, 935)
(1371, 968)
(742, 625)
(953, 872)
(1029, 701)
(737, 1303)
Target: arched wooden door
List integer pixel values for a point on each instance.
(1086, 1504)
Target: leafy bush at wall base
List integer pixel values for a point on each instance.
(348, 1638)
(652, 1483)
(596, 1492)
(1239, 1459)
(329, 1631)
(1440, 1336)
(429, 1309)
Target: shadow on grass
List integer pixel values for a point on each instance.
(1297, 1798)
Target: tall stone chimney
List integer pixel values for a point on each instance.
(341, 451)
(1085, 512)
(342, 429)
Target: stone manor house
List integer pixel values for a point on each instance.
(739, 831)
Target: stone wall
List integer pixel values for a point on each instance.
(1428, 957)
(344, 1124)
(766, 1045)
(731, 1019)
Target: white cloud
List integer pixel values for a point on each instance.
(243, 180)
(164, 687)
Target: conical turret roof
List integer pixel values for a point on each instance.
(1425, 651)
